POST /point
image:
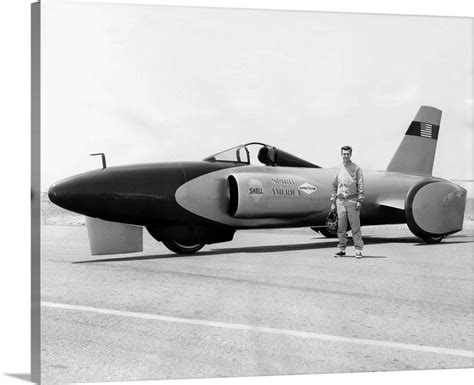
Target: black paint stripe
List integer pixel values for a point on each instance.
(416, 129)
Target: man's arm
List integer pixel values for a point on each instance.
(360, 187)
(334, 187)
(334, 190)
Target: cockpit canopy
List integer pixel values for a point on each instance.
(259, 153)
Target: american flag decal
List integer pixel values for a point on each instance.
(426, 130)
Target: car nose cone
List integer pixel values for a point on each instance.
(64, 193)
(55, 193)
(52, 193)
(128, 194)
(73, 193)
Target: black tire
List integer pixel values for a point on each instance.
(328, 234)
(432, 239)
(182, 247)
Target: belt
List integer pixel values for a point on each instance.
(348, 196)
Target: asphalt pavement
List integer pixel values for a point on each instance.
(269, 302)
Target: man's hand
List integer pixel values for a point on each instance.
(358, 206)
(333, 206)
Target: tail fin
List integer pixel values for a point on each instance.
(416, 152)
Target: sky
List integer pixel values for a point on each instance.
(153, 84)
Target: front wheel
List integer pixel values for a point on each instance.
(183, 247)
(327, 233)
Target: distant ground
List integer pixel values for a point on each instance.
(54, 215)
(469, 213)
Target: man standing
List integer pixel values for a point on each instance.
(348, 194)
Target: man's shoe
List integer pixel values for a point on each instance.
(358, 254)
(340, 253)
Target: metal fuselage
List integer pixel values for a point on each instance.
(197, 193)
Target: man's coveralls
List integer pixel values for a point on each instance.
(347, 190)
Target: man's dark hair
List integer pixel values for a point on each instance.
(347, 148)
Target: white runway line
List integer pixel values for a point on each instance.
(251, 328)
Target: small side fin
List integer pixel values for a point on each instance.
(416, 152)
(113, 238)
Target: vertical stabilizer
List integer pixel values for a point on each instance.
(416, 152)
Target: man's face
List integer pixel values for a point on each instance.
(346, 156)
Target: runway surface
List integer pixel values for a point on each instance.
(270, 302)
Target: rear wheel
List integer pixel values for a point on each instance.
(183, 247)
(433, 238)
